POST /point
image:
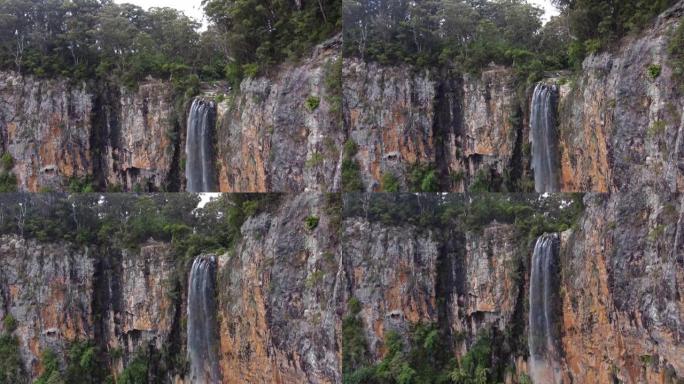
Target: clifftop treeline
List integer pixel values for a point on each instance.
(87, 39)
(470, 35)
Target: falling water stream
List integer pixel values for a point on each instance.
(543, 331)
(199, 167)
(544, 138)
(202, 329)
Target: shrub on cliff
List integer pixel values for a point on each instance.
(11, 367)
(351, 171)
(676, 50)
(423, 178)
(8, 181)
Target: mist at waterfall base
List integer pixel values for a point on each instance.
(544, 138)
(203, 335)
(543, 337)
(199, 167)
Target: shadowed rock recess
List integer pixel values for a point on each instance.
(316, 288)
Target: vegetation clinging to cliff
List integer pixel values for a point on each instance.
(11, 369)
(676, 49)
(128, 221)
(532, 214)
(424, 356)
(8, 181)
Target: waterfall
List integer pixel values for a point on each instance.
(543, 333)
(203, 336)
(199, 167)
(544, 138)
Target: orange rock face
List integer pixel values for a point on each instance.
(269, 140)
(622, 293)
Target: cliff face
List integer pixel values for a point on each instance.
(464, 282)
(619, 128)
(141, 149)
(622, 282)
(622, 129)
(45, 126)
(277, 300)
(279, 296)
(281, 289)
(47, 290)
(400, 117)
(59, 295)
(57, 131)
(276, 133)
(403, 276)
(281, 133)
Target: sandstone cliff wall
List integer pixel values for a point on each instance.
(283, 133)
(277, 297)
(620, 128)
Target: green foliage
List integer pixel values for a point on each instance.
(127, 221)
(11, 368)
(311, 222)
(315, 160)
(81, 184)
(125, 44)
(350, 148)
(354, 345)
(313, 279)
(465, 34)
(657, 129)
(485, 181)
(390, 183)
(250, 70)
(333, 85)
(136, 371)
(423, 178)
(51, 373)
(268, 32)
(524, 379)
(233, 73)
(312, 103)
(9, 323)
(530, 214)
(351, 171)
(8, 181)
(6, 161)
(676, 50)
(83, 364)
(654, 71)
(597, 23)
(474, 367)
(100, 39)
(425, 360)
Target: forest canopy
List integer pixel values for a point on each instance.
(469, 35)
(87, 39)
